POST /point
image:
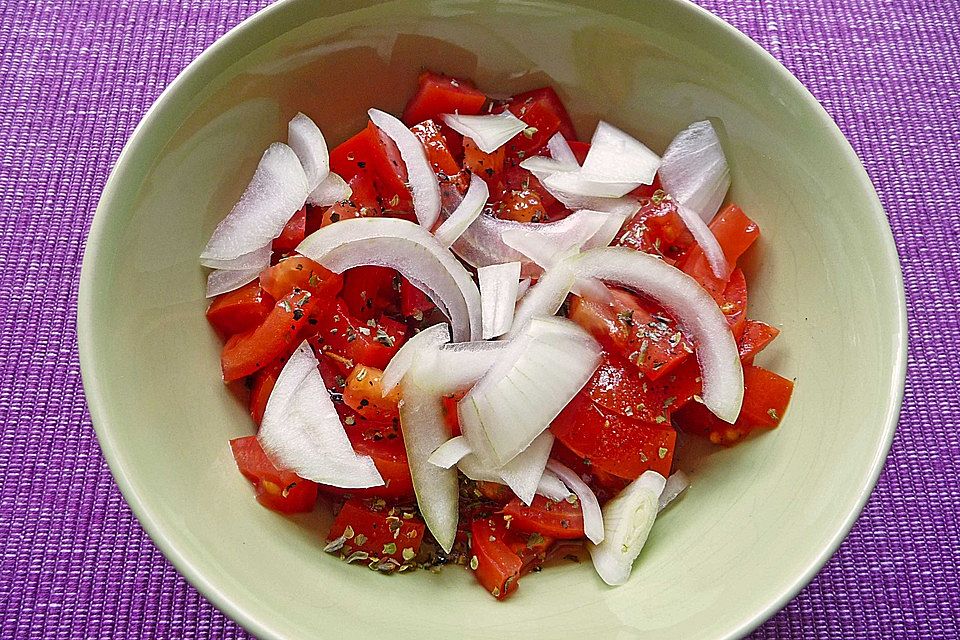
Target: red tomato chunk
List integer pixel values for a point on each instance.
(282, 491)
(373, 533)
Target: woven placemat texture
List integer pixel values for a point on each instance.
(77, 75)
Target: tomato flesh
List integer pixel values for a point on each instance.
(364, 394)
(240, 310)
(658, 229)
(383, 442)
(371, 150)
(414, 303)
(382, 533)
(293, 232)
(369, 291)
(488, 166)
(544, 113)
(350, 342)
(756, 336)
(735, 233)
(438, 94)
(495, 565)
(261, 388)
(521, 206)
(282, 491)
(561, 520)
(297, 272)
(437, 148)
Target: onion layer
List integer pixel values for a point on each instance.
(498, 297)
(466, 212)
(489, 132)
(589, 505)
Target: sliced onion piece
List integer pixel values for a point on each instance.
(677, 483)
(307, 141)
(489, 132)
(301, 430)
(424, 430)
(560, 151)
(580, 184)
(411, 250)
(523, 473)
(708, 242)
(552, 488)
(523, 287)
(426, 341)
(544, 298)
(525, 390)
(420, 176)
(498, 297)
(592, 516)
(257, 259)
(687, 301)
(695, 170)
(627, 521)
(222, 281)
(333, 189)
(450, 452)
(617, 157)
(466, 212)
(590, 229)
(277, 190)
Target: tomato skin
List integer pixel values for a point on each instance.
(386, 533)
(605, 485)
(765, 399)
(369, 291)
(362, 203)
(756, 336)
(372, 151)
(617, 387)
(580, 150)
(438, 150)
(497, 566)
(298, 272)
(560, 520)
(263, 383)
(658, 229)
(293, 232)
(282, 491)
(516, 178)
(364, 394)
(522, 206)
(494, 491)
(614, 444)
(638, 331)
(240, 310)
(414, 303)
(734, 305)
(291, 318)
(438, 94)
(383, 442)
(543, 110)
(350, 341)
(736, 233)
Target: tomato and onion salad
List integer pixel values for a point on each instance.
(614, 432)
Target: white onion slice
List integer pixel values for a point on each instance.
(627, 521)
(525, 390)
(560, 151)
(695, 170)
(696, 175)
(427, 340)
(489, 132)
(302, 432)
(593, 229)
(544, 298)
(460, 364)
(333, 189)
(466, 212)
(277, 191)
(523, 287)
(498, 297)
(617, 157)
(552, 488)
(523, 473)
(580, 184)
(222, 281)
(411, 250)
(690, 304)
(589, 505)
(307, 141)
(257, 259)
(677, 483)
(424, 429)
(450, 452)
(420, 176)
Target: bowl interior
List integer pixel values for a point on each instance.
(759, 519)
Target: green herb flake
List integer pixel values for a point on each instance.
(625, 318)
(384, 338)
(669, 401)
(361, 374)
(773, 414)
(314, 280)
(360, 540)
(408, 553)
(660, 419)
(534, 540)
(335, 545)
(286, 305)
(474, 563)
(349, 421)
(529, 132)
(390, 548)
(357, 556)
(348, 532)
(662, 452)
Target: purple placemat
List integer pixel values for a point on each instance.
(76, 77)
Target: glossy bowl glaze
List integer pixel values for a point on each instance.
(760, 519)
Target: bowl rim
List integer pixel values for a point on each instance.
(195, 574)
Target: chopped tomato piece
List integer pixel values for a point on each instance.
(364, 394)
(734, 305)
(495, 491)
(450, 414)
(495, 565)
(765, 399)
(263, 383)
(282, 491)
(384, 444)
(298, 272)
(605, 485)
(516, 178)
(657, 229)
(521, 206)
(612, 443)
(362, 203)
(756, 336)
(240, 310)
(382, 533)
(488, 166)
(349, 341)
(617, 387)
(735, 232)
(291, 318)
(638, 331)
(544, 114)
(293, 232)
(369, 291)
(438, 94)
(563, 519)
(580, 149)
(532, 548)
(371, 150)
(438, 151)
(414, 303)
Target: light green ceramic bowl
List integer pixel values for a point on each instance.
(760, 519)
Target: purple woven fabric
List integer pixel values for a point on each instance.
(77, 75)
